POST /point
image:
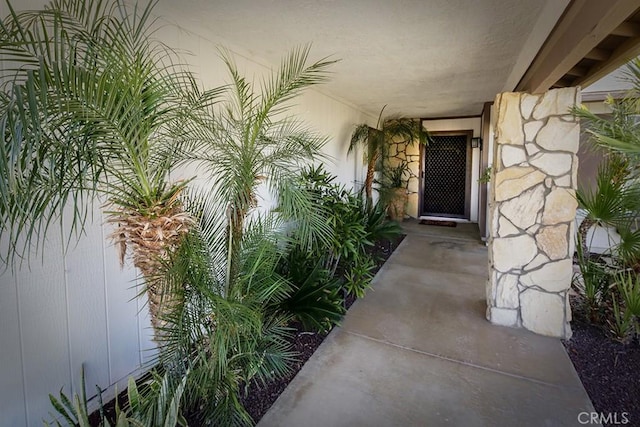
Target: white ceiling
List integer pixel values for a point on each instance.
(423, 58)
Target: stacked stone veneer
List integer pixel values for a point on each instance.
(400, 151)
(532, 211)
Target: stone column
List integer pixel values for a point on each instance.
(532, 211)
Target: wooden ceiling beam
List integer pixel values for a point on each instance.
(577, 72)
(598, 54)
(627, 29)
(623, 54)
(581, 28)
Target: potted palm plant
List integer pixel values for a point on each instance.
(376, 142)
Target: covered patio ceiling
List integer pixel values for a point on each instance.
(435, 58)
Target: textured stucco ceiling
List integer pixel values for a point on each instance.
(423, 58)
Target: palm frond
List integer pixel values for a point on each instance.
(614, 200)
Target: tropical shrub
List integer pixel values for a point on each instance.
(626, 308)
(395, 176)
(94, 110)
(316, 299)
(629, 287)
(225, 333)
(355, 227)
(376, 224)
(324, 273)
(250, 140)
(357, 277)
(211, 345)
(621, 323)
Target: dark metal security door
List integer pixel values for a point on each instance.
(446, 171)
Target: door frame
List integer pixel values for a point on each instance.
(467, 191)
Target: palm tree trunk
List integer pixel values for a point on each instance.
(583, 231)
(236, 232)
(368, 182)
(152, 240)
(237, 214)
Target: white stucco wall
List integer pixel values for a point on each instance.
(470, 123)
(79, 308)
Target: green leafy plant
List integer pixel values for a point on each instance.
(395, 176)
(358, 276)
(351, 237)
(97, 106)
(376, 224)
(342, 212)
(73, 410)
(160, 405)
(621, 325)
(592, 285)
(392, 188)
(485, 178)
(629, 287)
(316, 301)
(356, 226)
(616, 201)
(619, 133)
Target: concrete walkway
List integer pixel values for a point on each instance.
(417, 351)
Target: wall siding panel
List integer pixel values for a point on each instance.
(86, 306)
(12, 401)
(42, 296)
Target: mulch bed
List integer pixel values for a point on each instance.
(259, 398)
(609, 370)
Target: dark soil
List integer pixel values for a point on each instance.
(259, 398)
(609, 370)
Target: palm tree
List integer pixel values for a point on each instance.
(376, 142)
(613, 202)
(91, 106)
(251, 141)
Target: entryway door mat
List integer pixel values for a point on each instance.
(439, 223)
